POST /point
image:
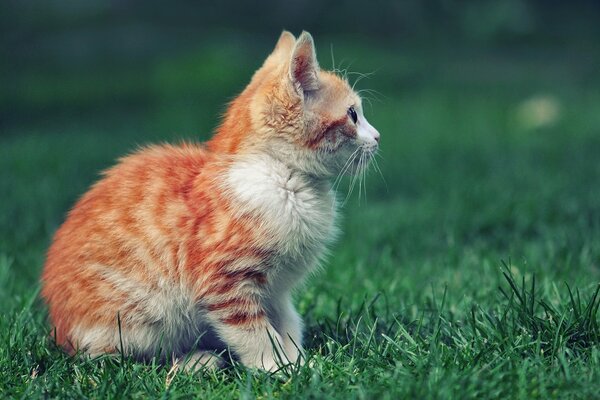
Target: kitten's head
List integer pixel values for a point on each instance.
(309, 118)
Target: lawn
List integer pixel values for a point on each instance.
(470, 268)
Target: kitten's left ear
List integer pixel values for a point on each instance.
(304, 68)
(282, 49)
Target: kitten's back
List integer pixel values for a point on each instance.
(116, 250)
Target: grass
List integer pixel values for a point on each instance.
(472, 272)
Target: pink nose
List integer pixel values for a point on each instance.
(376, 136)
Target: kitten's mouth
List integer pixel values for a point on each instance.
(356, 167)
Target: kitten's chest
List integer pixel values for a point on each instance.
(293, 212)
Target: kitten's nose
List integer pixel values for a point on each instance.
(367, 131)
(376, 136)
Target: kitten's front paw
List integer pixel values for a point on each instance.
(266, 363)
(272, 361)
(201, 360)
(295, 353)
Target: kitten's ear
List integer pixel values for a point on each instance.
(279, 56)
(304, 68)
(282, 49)
(285, 43)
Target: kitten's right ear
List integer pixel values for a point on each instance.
(304, 68)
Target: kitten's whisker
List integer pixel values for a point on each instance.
(354, 163)
(360, 176)
(365, 171)
(342, 71)
(364, 74)
(350, 158)
(375, 163)
(346, 70)
(350, 190)
(372, 92)
(355, 176)
(361, 76)
(332, 57)
(369, 100)
(364, 175)
(347, 165)
(376, 166)
(358, 173)
(366, 96)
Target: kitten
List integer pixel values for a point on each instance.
(195, 249)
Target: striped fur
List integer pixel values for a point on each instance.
(194, 249)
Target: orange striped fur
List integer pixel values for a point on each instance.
(195, 249)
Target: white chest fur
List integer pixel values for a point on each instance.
(296, 211)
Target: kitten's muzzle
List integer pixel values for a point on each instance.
(367, 134)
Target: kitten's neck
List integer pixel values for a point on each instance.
(295, 207)
(284, 169)
(286, 156)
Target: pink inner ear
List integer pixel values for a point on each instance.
(302, 69)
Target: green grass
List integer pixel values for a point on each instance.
(471, 272)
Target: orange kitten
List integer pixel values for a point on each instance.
(196, 249)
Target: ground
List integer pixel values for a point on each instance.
(468, 268)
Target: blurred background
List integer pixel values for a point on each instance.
(111, 62)
(488, 112)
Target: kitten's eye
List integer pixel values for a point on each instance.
(352, 114)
